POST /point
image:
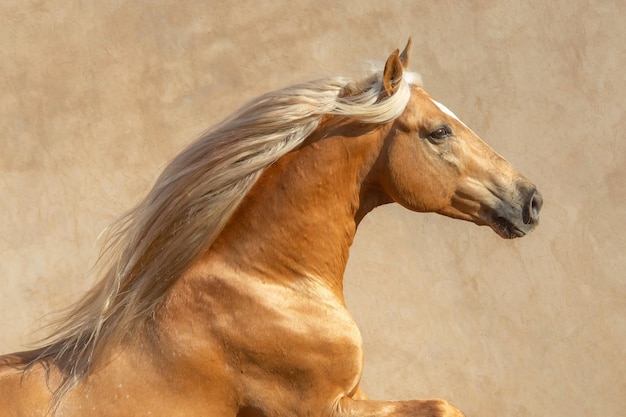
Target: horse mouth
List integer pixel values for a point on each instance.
(505, 228)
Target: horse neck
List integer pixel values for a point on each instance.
(299, 220)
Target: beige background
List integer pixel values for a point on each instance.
(95, 97)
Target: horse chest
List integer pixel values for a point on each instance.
(300, 338)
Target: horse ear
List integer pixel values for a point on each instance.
(406, 54)
(392, 74)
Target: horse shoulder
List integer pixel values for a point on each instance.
(275, 339)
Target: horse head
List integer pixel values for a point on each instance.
(433, 162)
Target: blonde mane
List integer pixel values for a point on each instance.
(148, 248)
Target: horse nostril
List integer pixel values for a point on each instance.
(531, 213)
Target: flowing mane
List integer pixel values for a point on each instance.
(153, 244)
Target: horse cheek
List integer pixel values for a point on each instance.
(408, 175)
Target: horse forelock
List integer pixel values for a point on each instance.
(152, 245)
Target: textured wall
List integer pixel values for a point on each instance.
(96, 96)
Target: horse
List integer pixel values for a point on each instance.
(221, 292)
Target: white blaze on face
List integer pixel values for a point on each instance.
(447, 111)
(450, 157)
(450, 113)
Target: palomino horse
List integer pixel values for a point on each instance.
(221, 292)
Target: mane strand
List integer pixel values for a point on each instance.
(150, 246)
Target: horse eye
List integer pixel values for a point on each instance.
(440, 134)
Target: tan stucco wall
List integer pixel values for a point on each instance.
(96, 96)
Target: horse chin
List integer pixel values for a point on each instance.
(510, 221)
(499, 223)
(507, 229)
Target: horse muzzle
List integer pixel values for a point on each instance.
(518, 219)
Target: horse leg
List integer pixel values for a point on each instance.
(350, 407)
